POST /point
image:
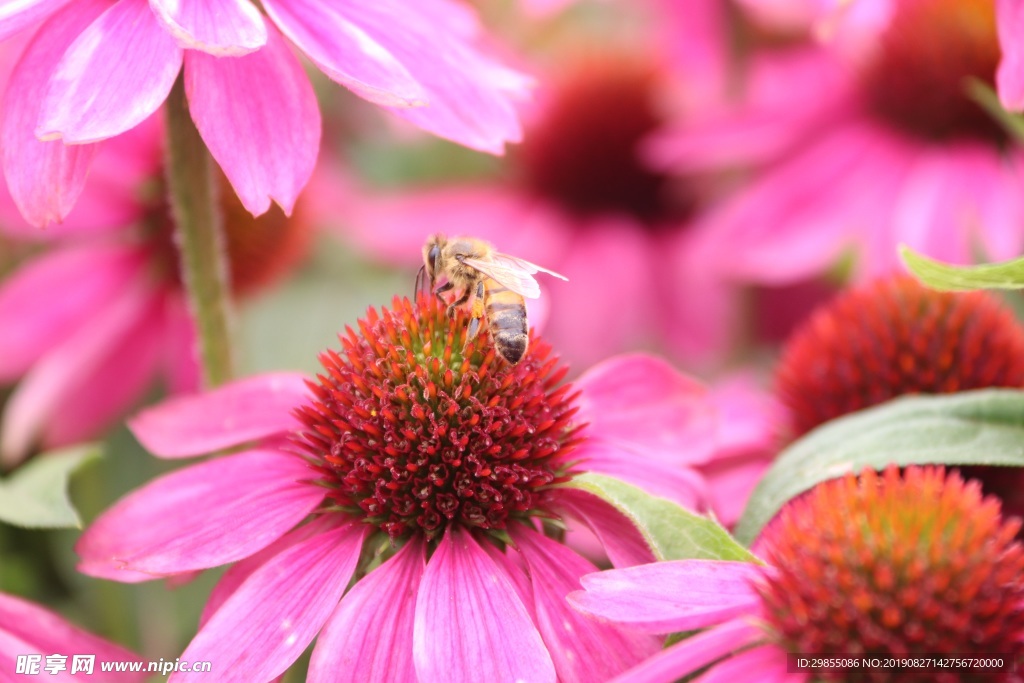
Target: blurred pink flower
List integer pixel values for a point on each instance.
(407, 444)
(862, 147)
(92, 318)
(97, 68)
(27, 629)
(576, 198)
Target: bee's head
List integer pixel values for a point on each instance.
(432, 255)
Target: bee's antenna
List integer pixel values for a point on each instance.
(422, 286)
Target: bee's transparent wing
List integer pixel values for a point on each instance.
(526, 265)
(509, 274)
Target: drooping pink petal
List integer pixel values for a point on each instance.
(115, 74)
(49, 633)
(641, 402)
(115, 383)
(748, 440)
(44, 178)
(665, 597)
(583, 649)
(223, 28)
(37, 397)
(370, 635)
(47, 298)
(675, 481)
(244, 410)
(1010, 75)
(267, 623)
(471, 97)
(470, 624)
(693, 654)
(202, 516)
(345, 52)
(1000, 207)
(15, 15)
(619, 537)
(762, 664)
(259, 117)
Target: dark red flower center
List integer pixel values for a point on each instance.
(893, 564)
(584, 152)
(895, 337)
(414, 429)
(918, 79)
(260, 250)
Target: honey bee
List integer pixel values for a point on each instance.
(490, 283)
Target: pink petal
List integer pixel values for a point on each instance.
(267, 623)
(48, 633)
(15, 16)
(1010, 76)
(259, 117)
(43, 301)
(665, 597)
(471, 97)
(240, 571)
(620, 538)
(116, 382)
(470, 624)
(370, 636)
(36, 399)
(677, 482)
(115, 74)
(202, 516)
(180, 352)
(762, 664)
(345, 52)
(694, 654)
(612, 243)
(642, 403)
(583, 649)
(44, 178)
(244, 410)
(224, 28)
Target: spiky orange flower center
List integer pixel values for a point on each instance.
(584, 152)
(414, 429)
(260, 250)
(926, 58)
(895, 337)
(895, 564)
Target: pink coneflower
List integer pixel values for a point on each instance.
(577, 197)
(92, 319)
(27, 629)
(884, 565)
(428, 469)
(97, 68)
(865, 148)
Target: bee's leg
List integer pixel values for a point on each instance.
(476, 312)
(459, 302)
(442, 289)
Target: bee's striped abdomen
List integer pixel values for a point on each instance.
(506, 318)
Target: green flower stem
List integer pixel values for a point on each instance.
(199, 237)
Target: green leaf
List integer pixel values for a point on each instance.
(986, 96)
(971, 428)
(672, 532)
(36, 496)
(938, 275)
